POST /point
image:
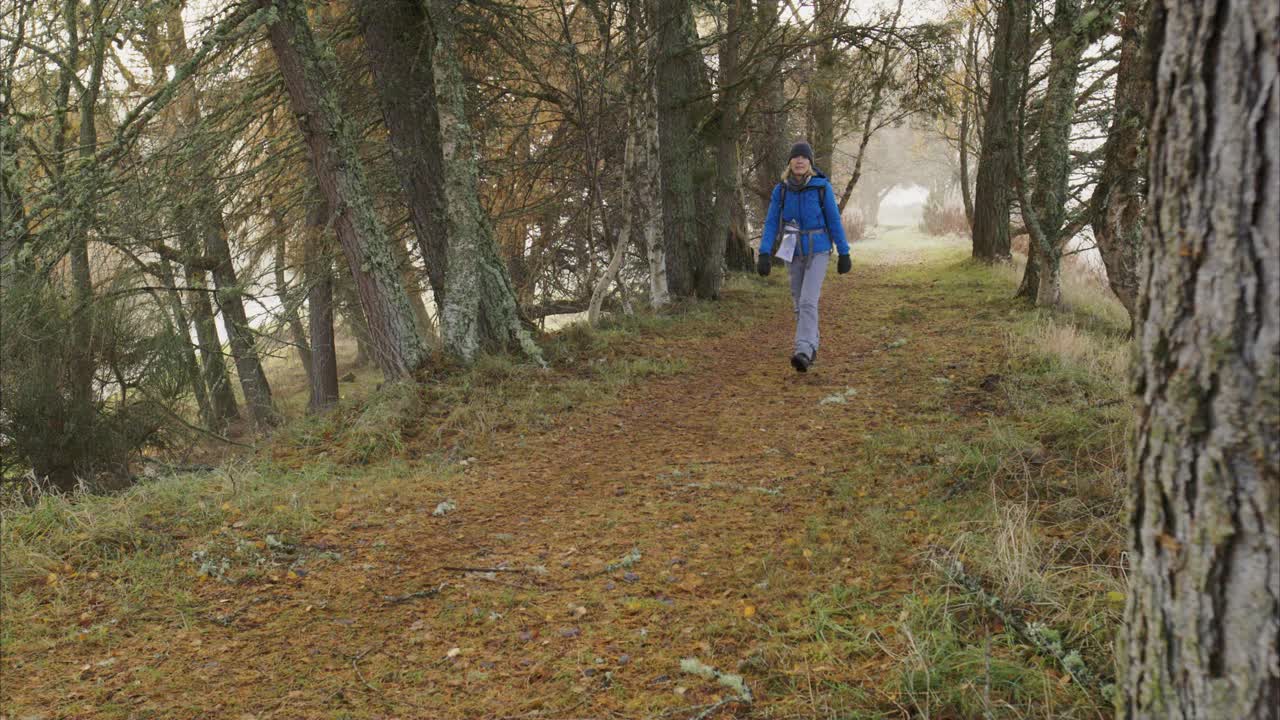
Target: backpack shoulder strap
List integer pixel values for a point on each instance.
(822, 206)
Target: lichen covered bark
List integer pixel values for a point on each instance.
(480, 309)
(310, 73)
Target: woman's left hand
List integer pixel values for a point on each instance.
(844, 265)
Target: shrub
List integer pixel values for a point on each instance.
(942, 219)
(855, 227)
(138, 376)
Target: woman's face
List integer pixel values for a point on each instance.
(799, 165)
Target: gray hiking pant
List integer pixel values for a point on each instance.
(807, 272)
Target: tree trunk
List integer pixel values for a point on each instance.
(348, 307)
(624, 231)
(82, 210)
(411, 278)
(288, 306)
(310, 77)
(712, 276)
(207, 216)
(1053, 154)
(183, 326)
(966, 193)
(649, 196)
(739, 255)
(1118, 205)
(1203, 616)
(480, 305)
(222, 399)
(399, 44)
(253, 381)
(996, 172)
(770, 140)
(679, 147)
(821, 95)
(1030, 284)
(322, 372)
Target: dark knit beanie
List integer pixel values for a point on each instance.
(801, 149)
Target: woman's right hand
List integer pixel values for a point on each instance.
(764, 264)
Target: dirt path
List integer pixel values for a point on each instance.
(742, 491)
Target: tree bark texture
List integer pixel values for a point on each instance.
(480, 310)
(399, 44)
(1118, 206)
(310, 73)
(680, 148)
(996, 162)
(712, 277)
(821, 93)
(1053, 152)
(1202, 634)
(649, 191)
(322, 372)
(769, 139)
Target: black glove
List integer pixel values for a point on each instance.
(764, 264)
(844, 265)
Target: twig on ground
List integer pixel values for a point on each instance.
(694, 666)
(727, 486)
(418, 595)
(626, 561)
(1044, 639)
(229, 618)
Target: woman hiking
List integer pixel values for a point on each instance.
(801, 228)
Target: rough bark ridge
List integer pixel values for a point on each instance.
(821, 93)
(1119, 203)
(769, 137)
(1048, 202)
(712, 276)
(679, 147)
(322, 375)
(480, 303)
(309, 71)
(1203, 616)
(996, 161)
(399, 44)
(648, 189)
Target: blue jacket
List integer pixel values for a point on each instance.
(815, 208)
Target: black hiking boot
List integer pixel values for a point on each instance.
(801, 362)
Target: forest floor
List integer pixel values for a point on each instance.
(553, 543)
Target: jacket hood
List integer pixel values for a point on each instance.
(815, 174)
